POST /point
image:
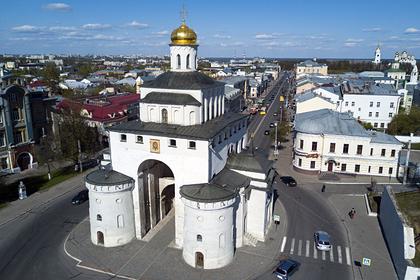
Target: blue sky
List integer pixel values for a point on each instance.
(275, 28)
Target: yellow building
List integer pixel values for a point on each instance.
(311, 67)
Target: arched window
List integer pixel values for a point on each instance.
(188, 62)
(99, 217)
(199, 238)
(178, 61)
(120, 221)
(222, 240)
(164, 116)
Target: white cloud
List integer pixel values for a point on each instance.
(58, 7)
(26, 28)
(138, 25)
(353, 40)
(234, 44)
(62, 28)
(221, 36)
(373, 29)
(411, 30)
(163, 32)
(264, 36)
(350, 44)
(155, 44)
(96, 26)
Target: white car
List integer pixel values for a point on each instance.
(322, 241)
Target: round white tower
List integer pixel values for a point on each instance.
(377, 59)
(414, 75)
(183, 49)
(111, 211)
(208, 225)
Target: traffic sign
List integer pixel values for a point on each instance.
(366, 261)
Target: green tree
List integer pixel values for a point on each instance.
(51, 76)
(404, 124)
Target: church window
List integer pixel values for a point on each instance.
(178, 61)
(123, 138)
(120, 221)
(199, 238)
(222, 240)
(172, 143)
(188, 61)
(191, 145)
(99, 217)
(139, 139)
(164, 116)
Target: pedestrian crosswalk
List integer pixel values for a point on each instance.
(307, 248)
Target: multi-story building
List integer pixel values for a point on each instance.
(369, 102)
(330, 141)
(311, 67)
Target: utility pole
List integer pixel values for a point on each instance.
(276, 152)
(407, 160)
(80, 156)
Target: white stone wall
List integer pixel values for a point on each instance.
(116, 211)
(322, 155)
(214, 223)
(314, 104)
(187, 56)
(177, 114)
(362, 107)
(259, 214)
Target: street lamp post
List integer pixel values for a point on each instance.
(276, 152)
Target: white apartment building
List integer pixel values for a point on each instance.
(369, 102)
(329, 141)
(311, 67)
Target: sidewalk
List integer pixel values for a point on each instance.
(365, 238)
(157, 259)
(18, 208)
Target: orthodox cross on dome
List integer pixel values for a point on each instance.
(183, 13)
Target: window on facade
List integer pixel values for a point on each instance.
(220, 139)
(371, 104)
(300, 162)
(139, 139)
(371, 151)
(346, 104)
(369, 169)
(222, 240)
(3, 163)
(123, 137)
(191, 144)
(391, 105)
(392, 153)
(178, 61)
(382, 125)
(359, 109)
(172, 142)
(376, 114)
(301, 144)
(312, 164)
(164, 116)
(352, 103)
(120, 221)
(375, 124)
(381, 169)
(199, 238)
(383, 152)
(390, 170)
(2, 140)
(390, 115)
(314, 146)
(188, 62)
(343, 167)
(15, 114)
(1, 117)
(345, 148)
(99, 217)
(18, 137)
(370, 114)
(359, 149)
(357, 168)
(332, 147)
(378, 104)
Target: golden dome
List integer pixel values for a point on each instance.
(183, 35)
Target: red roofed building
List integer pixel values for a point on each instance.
(104, 111)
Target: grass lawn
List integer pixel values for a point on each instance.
(57, 178)
(409, 204)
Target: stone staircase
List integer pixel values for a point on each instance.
(250, 239)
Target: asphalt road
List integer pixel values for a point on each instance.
(31, 247)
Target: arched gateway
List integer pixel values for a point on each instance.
(156, 184)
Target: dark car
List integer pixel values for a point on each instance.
(285, 268)
(81, 197)
(272, 125)
(267, 132)
(288, 181)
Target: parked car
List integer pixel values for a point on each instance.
(322, 240)
(267, 132)
(81, 197)
(272, 125)
(288, 181)
(275, 114)
(285, 268)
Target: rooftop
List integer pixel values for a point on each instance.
(102, 177)
(170, 98)
(182, 80)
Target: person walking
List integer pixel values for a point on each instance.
(323, 188)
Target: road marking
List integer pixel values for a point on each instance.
(348, 256)
(332, 254)
(340, 257)
(307, 248)
(283, 244)
(300, 248)
(323, 255)
(315, 251)
(292, 248)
